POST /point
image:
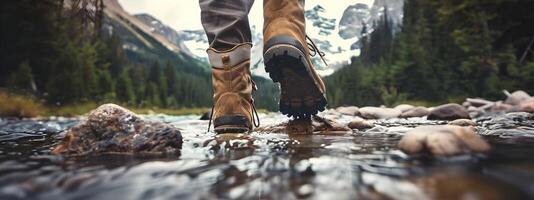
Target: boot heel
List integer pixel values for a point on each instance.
(231, 124)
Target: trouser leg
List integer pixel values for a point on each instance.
(226, 22)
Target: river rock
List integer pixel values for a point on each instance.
(360, 124)
(523, 107)
(442, 140)
(379, 113)
(404, 107)
(348, 110)
(113, 129)
(529, 100)
(206, 116)
(415, 112)
(499, 106)
(517, 97)
(466, 104)
(463, 122)
(449, 111)
(315, 125)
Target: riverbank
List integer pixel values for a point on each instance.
(20, 106)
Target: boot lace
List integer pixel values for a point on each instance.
(314, 50)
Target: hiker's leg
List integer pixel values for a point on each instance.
(226, 22)
(228, 31)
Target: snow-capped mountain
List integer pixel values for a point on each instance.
(185, 40)
(354, 18)
(335, 34)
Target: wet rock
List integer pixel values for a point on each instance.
(499, 106)
(523, 107)
(463, 122)
(507, 122)
(466, 104)
(415, 112)
(349, 110)
(113, 129)
(475, 112)
(442, 140)
(379, 113)
(306, 126)
(404, 107)
(476, 102)
(449, 111)
(529, 100)
(360, 124)
(206, 116)
(516, 97)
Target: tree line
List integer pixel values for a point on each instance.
(445, 50)
(59, 52)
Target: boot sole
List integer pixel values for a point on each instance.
(230, 129)
(231, 124)
(300, 96)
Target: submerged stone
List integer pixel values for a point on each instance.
(113, 129)
(442, 140)
(315, 124)
(463, 122)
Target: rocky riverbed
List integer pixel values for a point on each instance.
(344, 153)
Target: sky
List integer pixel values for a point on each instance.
(185, 14)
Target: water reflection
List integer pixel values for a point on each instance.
(352, 165)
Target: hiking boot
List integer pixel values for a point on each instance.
(287, 58)
(233, 107)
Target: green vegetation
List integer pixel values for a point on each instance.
(446, 50)
(18, 106)
(71, 59)
(13, 105)
(82, 108)
(68, 60)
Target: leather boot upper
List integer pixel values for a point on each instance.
(286, 18)
(232, 83)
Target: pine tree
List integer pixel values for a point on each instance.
(106, 87)
(170, 76)
(152, 96)
(22, 80)
(88, 59)
(124, 89)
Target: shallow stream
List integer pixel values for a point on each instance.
(355, 165)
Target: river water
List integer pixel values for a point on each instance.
(355, 165)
